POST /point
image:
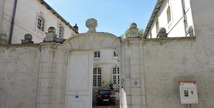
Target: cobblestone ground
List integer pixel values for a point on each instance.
(107, 106)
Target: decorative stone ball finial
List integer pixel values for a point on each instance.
(91, 24)
(133, 26)
(162, 33)
(133, 30)
(51, 35)
(27, 39)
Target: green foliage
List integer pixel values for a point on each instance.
(126, 33)
(140, 33)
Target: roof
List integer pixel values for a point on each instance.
(57, 14)
(152, 18)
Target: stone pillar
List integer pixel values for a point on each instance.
(51, 77)
(132, 72)
(125, 75)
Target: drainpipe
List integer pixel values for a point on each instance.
(12, 22)
(185, 17)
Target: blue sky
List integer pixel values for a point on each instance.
(113, 16)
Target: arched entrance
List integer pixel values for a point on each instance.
(80, 62)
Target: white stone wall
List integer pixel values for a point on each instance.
(19, 76)
(27, 12)
(7, 8)
(35, 75)
(158, 67)
(166, 62)
(203, 21)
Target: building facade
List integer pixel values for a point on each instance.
(152, 71)
(106, 71)
(34, 17)
(106, 61)
(175, 16)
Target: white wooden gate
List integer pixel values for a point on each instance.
(78, 92)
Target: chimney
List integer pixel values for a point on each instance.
(76, 28)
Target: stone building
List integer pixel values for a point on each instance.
(172, 16)
(19, 17)
(152, 68)
(60, 75)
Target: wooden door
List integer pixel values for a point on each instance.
(78, 92)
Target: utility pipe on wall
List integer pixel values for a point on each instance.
(12, 22)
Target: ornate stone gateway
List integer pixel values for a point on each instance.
(58, 74)
(66, 69)
(78, 90)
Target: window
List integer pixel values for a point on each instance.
(97, 77)
(40, 23)
(115, 55)
(116, 75)
(169, 17)
(61, 31)
(97, 54)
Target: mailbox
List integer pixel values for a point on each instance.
(188, 92)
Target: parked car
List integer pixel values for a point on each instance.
(105, 96)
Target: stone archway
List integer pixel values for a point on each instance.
(80, 63)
